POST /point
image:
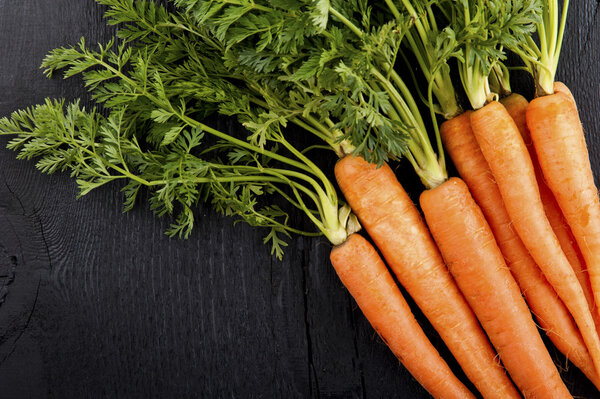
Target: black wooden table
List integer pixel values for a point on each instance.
(96, 303)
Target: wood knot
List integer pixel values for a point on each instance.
(8, 267)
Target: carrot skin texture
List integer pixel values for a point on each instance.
(560, 145)
(551, 313)
(506, 154)
(516, 105)
(366, 277)
(477, 264)
(394, 223)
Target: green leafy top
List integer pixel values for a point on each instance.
(322, 65)
(154, 135)
(328, 59)
(430, 48)
(542, 60)
(481, 31)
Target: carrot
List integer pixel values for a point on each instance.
(470, 251)
(516, 105)
(366, 277)
(560, 87)
(551, 313)
(569, 246)
(555, 130)
(396, 227)
(510, 163)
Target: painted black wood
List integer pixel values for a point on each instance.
(94, 303)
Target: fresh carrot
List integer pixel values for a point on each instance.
(516, 105)
(555, 129)
(366, 277)
(559, 142)
(569, 246)
(560, 87)
(551, 313)
(510, 163)
(396, 227)
(477, 264)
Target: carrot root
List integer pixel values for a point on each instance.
(560, 146)
(477, 264)
(516, 105)
(366, 277)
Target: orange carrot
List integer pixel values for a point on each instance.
(516, 105)
(366, 277)
(560, 87)
(569, 246)
(559, 143)
(470, 251)
(510, 163)
(551, 313)
(393, 222)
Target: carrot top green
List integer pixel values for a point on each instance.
(337, 65)
(325, 66)
(542, 59)
(486, 30)
(157, 89)
(475, 33)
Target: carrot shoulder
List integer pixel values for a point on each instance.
(560, 87)
(393, 222)
(560, 146)
(516, 105)
(470, 251)
(545, 304)
(366, 277)
(510, 163)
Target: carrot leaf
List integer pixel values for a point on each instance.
(156, 98)
(542, 59)
(483, 31)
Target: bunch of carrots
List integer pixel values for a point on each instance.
(504, 232)
(514, 240)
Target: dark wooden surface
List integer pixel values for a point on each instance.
(95, 303)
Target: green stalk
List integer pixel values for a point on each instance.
(475, 82)
(196, 124)
(309, 123)
(500, 80)
(346, 22)
(426, 163)
(425, 24)
(561, 34)
(436, 128)
(270, 175)
(542, 60)
(551, 32)
(321, 191)
(326, 199)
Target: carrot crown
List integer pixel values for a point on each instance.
(542, 60)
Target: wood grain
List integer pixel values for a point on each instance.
(95, 303)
